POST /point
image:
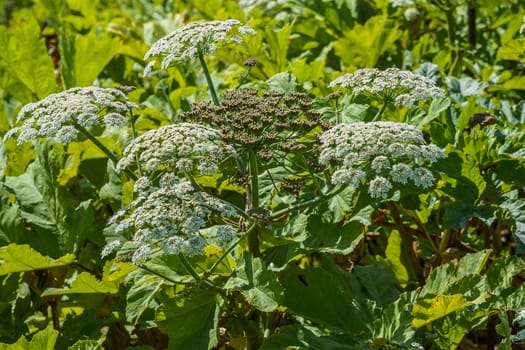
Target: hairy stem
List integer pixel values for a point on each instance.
(207, 75)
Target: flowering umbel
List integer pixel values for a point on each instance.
(60, 115)
(378, 154)
(170, 217)
(194, 39)
(400, 87)
(179, 148)
(267, 123)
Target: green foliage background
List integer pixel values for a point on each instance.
(444, 270)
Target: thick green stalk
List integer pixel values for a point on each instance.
(230, 248)
(207, 75)
(104, 149)
(194, 273)
(381, 111)
(407, 242)
(252, 199)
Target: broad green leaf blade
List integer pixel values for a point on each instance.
(191, 321)
(84, 283)
(513, 50)
(395, 324)
(304, 337)
(141, 296)
(338, 308)
(516, 208)
(428, 310)
(83, 57)
(85, 345)
(436, 107)
(24, 57)
(394, 256)
(258, 285)
(20, 258)
(43, 340)
(442, 278)
(378, 284)
(367, 42)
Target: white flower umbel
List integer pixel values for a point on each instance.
(392, 85)
(378, 154)
(170, 217)
(194, 39)
(58, 116)
(179, 148)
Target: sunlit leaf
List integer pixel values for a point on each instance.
(428, 310)
(191, 322)
(20, 258)
(83, 57)
(84, 283)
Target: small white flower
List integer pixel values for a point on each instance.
(379, 187)
(384, 152)
(391, 85)
(380, 163)
(170, 216)
(141, 255)
(519, 318)
(401, 173)
(423, 177)
(59, 115)
(110, 248)
(192, 39)
(180, 148)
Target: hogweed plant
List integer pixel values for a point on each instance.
(391, 86)
(197, 40)
(251, 222)
(65, 115)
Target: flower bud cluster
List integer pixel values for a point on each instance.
(401, 87)
(382, 152)
(179, 148)
(171, 216)
(262, 123)
(58, 115)
(190, 40)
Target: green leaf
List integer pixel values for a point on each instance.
(367, 42)
(332, 238)
(283, 82)
(394, 256)
(395, 324)
(516, 208)
(304, 337)
(43, 340)
(83, 57)
(84, 283)
(428, 310)
(513, 50)
(191, 321)
(144, 286)
(341, 306)
(378, 283)
(20, 258)
(24, 57)
(258, 285)
(436, 107)
(85, 345)
(442, 278)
